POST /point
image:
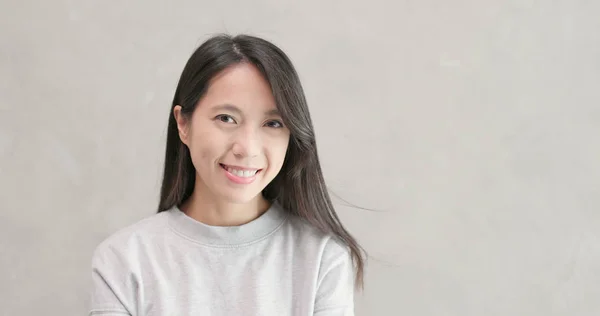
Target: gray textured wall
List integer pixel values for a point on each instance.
(473, 127)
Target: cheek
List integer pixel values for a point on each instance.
(202, 150)
(277, 151)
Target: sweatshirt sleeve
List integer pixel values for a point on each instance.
(112, 285)
(335, 285)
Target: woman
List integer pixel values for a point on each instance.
(245, 225)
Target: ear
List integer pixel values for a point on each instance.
(182, 124)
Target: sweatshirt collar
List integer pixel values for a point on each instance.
(227, 236)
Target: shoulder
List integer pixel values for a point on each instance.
(127, 240)
(329, 246)
(116, 265)
(334, 272)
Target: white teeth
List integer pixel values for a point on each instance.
(242, 173)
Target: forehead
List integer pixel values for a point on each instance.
(242, 85)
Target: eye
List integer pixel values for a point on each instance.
(274, 124)
(225, 118)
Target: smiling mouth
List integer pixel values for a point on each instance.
(241, 172)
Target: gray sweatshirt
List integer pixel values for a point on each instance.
(170, 264)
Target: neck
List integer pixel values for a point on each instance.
(205, 208)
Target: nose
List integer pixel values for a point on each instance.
(246, 143)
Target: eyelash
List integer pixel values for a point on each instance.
(280, 125)
(220, 117)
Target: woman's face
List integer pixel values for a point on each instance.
(236, 136)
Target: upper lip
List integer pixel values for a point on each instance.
(240, 167)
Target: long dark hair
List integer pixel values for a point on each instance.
(299, 187)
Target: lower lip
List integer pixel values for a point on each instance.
(239, 180)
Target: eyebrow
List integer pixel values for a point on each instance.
(233, 108)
